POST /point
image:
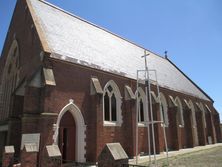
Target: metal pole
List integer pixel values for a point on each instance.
(148, 116)
(147, 108)
(161, 112)
(152, 125)
(137, 107)
(148, 126)
(150, 104)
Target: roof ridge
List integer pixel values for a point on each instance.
(100, 27)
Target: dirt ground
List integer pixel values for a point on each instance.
(205, 158)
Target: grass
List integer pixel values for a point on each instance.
(204, 158)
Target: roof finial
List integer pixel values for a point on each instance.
(166, 57)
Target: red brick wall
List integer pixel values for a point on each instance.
(29, 50)
(188, 132)
(73, 82)
(29, 43)
(217, 128)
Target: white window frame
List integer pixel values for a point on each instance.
(203, 114)
(180, 110)
(10, 79)
(145, 114)
(116, 92)
(194, 122)
(163, 103)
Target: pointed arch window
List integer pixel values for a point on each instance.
(164, 109)
(203, 114)
(141, 107)
(113, 108)
(111, 104)
(106, 107)
(180, 112)
(194, 123)
(141, 110)
(10, 78)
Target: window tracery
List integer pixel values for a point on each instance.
(112, 104)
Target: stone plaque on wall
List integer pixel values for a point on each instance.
(53, 151)
(112, 155)
(31, 138)
(9, 149)
(31, 147)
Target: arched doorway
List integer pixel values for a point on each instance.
(70, 127)
(67, 137)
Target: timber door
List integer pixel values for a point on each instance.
(67, 137)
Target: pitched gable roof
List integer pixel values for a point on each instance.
(73, 39)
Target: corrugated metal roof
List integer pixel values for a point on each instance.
(73, 39)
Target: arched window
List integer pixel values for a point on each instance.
(180, 112)
(194, 123)
(106, 107)
(164, 109)
(10, 78)
(208, 116)
(112, 104)
(203, 114)
(141, 111)
(142, 115)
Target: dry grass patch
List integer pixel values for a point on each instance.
(204, 158)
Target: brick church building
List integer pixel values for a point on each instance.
(66, 81)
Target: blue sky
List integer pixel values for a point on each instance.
(191, 31)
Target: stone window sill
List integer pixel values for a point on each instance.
(164, 125)
(142, 124)
(110, 123)
(181, 126)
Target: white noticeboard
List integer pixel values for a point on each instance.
(30, 138)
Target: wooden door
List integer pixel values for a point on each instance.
(67, 137)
